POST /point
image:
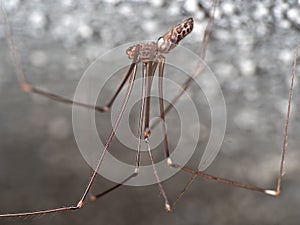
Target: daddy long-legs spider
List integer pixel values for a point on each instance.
(240, 118)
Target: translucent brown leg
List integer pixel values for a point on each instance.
(94, 197)
(197, 71)
(199, 66)
(151, 67)
(195, 173)
(147, 72)
(92, 179)
(161, 108)
(110, 103)
(112, 134)
(160, 187)
(27, 87)
(150, 72)
(140, 133)
(272, 192)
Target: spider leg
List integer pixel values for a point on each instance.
(27, 87)
(161, 108)
(272, 192)
(151, 68)
(199, 67)
(92, 179)
(140, 133)
(148, 72)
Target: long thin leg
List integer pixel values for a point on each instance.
(145, 73)
(197, 71)
(151, 67)
(274, 192)
(150, 72)
(161, 108)
(109, 104)
(140, 133)
(94, 197)
(286, 126)
(92, 179)
(112, 134)
(186, 187)
(199, 66)
(160, 187)
(107, 107)
(27, 87)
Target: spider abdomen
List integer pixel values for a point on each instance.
(169, 41)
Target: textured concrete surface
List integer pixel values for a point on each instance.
(251, 53)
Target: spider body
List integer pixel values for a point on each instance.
(149, 51)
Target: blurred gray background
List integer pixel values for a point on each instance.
(251, 53)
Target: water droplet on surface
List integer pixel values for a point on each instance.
(85, 31)
(149, 26)
(286, 56)
(190, 6)
(37, 19)
(11, 4)
(125, 10)
(157, 3)
(228, 8)
(247, 67)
